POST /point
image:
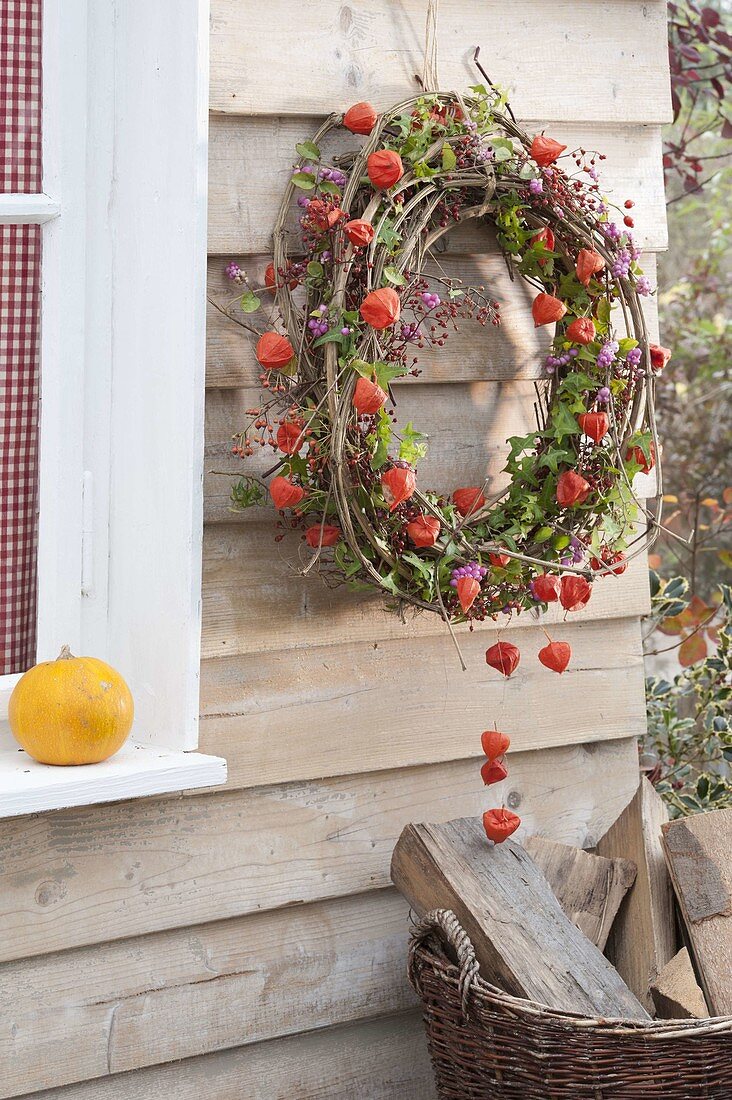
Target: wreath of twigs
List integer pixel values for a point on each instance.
(463, 158)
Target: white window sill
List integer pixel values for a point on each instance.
(28, 787)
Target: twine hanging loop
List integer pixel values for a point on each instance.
(430, 76)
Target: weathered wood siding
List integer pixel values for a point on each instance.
(246, 943)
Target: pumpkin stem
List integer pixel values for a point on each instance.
(65, 654)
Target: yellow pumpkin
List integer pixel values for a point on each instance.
(75, 710)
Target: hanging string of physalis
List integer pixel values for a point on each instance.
(347, 306)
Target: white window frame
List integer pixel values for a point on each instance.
(123, 209)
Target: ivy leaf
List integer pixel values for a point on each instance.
(366, 370)
(246, 493)
(422, 170)
(387, 372)
(308, 150)
(563, 422)
(577, 383)
(413, 445)
(393, 276)
(249, 303)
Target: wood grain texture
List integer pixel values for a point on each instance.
(523, 941)
(475, 353)
(332, 710)
(643, 937)
(467, 425)
(251, 159)
(103, 1010)
(371, 49)
(697, 851)
(97, 875)
(675, 992)
(381, 1060)
(255, 599)
(588, 887)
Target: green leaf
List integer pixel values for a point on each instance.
(381, 438)
(393, 276)
(603, 311)
(413, 445)
(449, 160)
(332, 337)
(246, 493)
(315, 270)
(387, 372)
(249, 303)
(330, 188)
(308, 150)
(304, 181)
(366, 370)
(563, 422)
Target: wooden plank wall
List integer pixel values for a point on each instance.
(246, 943)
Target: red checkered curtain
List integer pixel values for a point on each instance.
(20, 255)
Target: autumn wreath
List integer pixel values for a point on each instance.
(352, 308)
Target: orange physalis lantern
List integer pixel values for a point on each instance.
(468, 500)
(546, 587)
(494, 743)
(290, 436)
(381, 308)
(368, 398)
(572, 489)
(574, 592)
(359, 232)
(594, 424)
(500, 561)
(325, 535)
(544, 151)
(384, 168)
(284, 494)
(499, 824)
(397, 485)
(589, 263)
(467, 590)
(504, 657)
(493, 771)
(423, 530)
(547, 309)
(556, 656)
(582, 330)
(274, 351)
(360, 118)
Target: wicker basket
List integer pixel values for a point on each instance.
(487, 1045)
